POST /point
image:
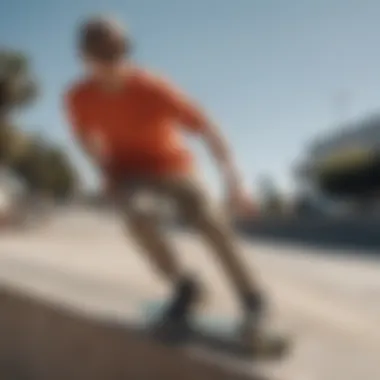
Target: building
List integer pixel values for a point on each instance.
(345, 164)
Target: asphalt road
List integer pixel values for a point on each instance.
(331, 303)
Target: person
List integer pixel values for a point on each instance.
(130, 123)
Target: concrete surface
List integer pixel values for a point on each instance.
(39, 341)
(331, 303)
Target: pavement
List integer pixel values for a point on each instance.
(329, 302)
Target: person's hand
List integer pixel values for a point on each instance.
(239, 201)
(98, 149)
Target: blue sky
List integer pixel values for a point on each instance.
(269, 71)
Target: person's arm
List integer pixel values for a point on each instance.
(91, 143)
(222, 153)
(195, 120)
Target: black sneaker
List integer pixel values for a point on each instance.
(174, 323)
(254, 309)
(255, 332)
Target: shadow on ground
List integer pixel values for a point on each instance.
(40, 342)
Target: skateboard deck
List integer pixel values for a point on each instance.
(219, 334)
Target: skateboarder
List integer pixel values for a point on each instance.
(129, 122)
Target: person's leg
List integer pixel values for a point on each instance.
(144, 228)
(195, 205)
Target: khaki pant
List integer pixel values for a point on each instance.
(193, 204)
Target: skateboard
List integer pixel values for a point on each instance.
(219, 334)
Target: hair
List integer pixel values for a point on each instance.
(104, 39)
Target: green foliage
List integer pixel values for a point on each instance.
(271, 198)
(46, 168)
(42, 166)
(17, 85)
(58, 175)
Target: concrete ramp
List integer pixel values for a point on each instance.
(44, 341)
(67, 288)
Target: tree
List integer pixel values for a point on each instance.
(17, 89)
(17, 85)
(43, 167)
(13, 144)
(46, 169)
(271, 197)
(58, 175)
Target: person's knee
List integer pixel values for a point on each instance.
(193, 202)
(208, 219)
(138, 221)
(197, 207)
(206, 216)
(215, 225)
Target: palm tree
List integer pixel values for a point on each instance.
(43, 167)
(17, 85)
(17, 89)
